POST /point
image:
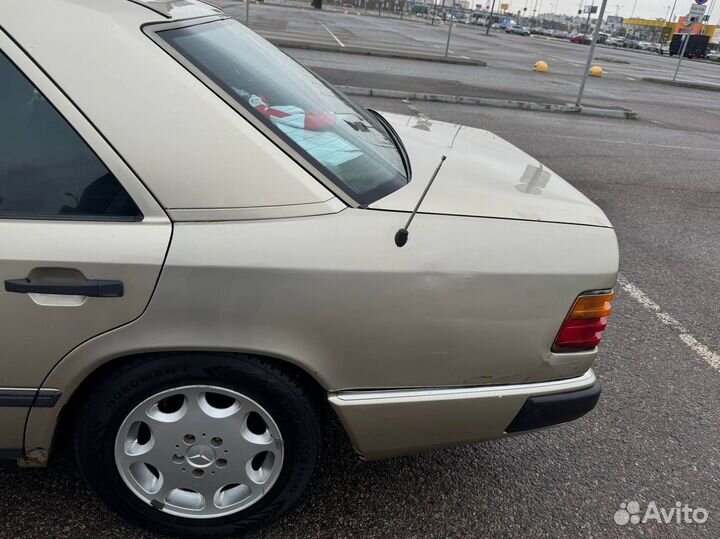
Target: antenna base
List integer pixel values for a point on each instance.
(401, 237)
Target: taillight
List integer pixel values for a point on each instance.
(584, 325)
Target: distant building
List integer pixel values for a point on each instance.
(661, 30)
(612, 24)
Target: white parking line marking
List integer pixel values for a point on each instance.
(333, 35)
(633, 143)
(703, 352)
(630, 78)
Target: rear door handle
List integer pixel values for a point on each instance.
(91, 288)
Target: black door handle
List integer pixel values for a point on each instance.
(90, 288)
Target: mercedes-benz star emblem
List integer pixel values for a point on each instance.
(201, 455)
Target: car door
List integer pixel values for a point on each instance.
(82, 241)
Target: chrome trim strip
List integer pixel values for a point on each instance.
(327, 207)
(556, 386)
(149, 6)
(166, 7)
(25, 397)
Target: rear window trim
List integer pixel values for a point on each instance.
(325, 177)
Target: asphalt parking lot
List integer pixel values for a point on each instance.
(510, 58)
(654, 435)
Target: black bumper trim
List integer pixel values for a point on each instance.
(546, 410)
(26, 398)
(10, 454)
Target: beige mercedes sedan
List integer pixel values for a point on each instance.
(206, 250)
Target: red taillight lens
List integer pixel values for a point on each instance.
(581, 334)
(584, 325)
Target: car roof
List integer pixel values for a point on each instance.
(89, 10)
(173, 9)
(189, 147)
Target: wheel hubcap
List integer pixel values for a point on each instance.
(200, 455)
(199, 451)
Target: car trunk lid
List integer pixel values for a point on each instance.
(483, 176)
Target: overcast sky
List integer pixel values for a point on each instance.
(648, 9)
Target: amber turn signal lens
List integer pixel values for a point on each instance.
(595, 306)
(584, 325)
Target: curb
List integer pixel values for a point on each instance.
(363, 51)
(684, 84)
(490, 102)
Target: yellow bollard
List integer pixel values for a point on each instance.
(540, 66)
(596, 71)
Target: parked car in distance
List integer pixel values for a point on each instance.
(519, 30)
(615, 41)
(213, 242)
(648, 46)
(714, 56)
(696, 46)
(582, 39)
(478, 19)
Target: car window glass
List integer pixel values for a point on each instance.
(46, 170)
(341, 139)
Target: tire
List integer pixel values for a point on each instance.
(103, 442)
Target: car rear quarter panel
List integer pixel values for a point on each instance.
(467, 302)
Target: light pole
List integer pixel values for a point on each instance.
(591, 53)
(489, 22)
(686, 38)
(587, 24)
(632, 13)
(672, 13)
(452, 16)
(668, 19)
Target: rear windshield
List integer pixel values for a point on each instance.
(342, 140)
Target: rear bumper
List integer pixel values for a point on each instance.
(398, 422)
(547, 410)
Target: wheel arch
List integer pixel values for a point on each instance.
(50, 428)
